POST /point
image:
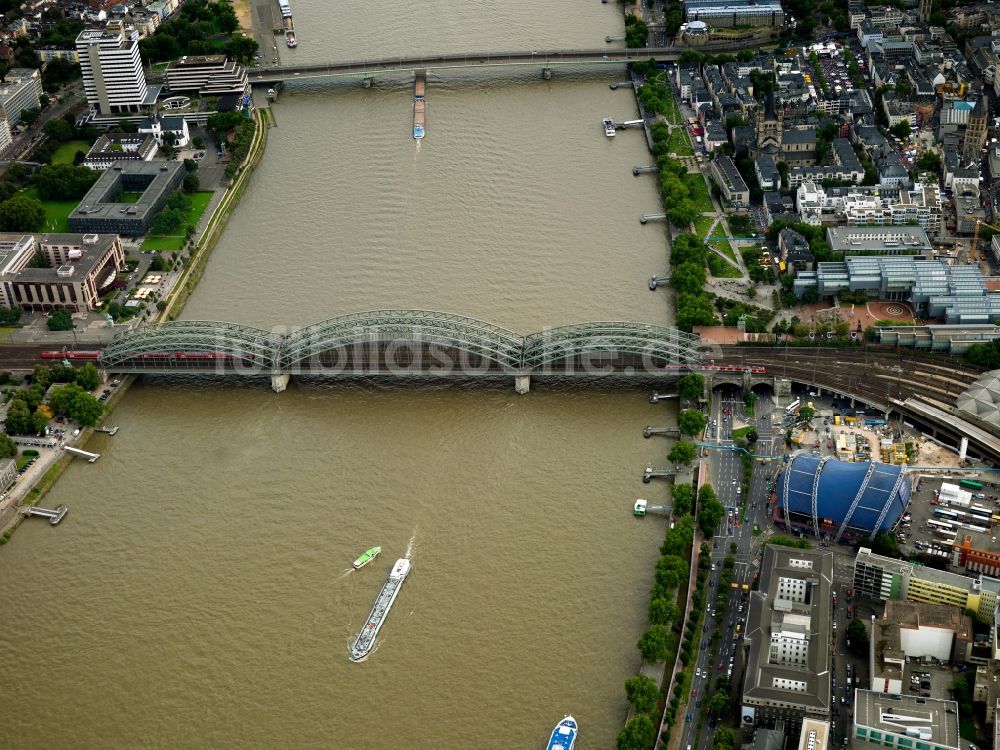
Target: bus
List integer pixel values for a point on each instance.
(947, 514)
(793, 406)
(940, 525)
(971, 484)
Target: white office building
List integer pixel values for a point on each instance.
(112, 70)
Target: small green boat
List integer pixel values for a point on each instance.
(367, 557)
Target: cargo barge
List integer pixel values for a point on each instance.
(366, 638)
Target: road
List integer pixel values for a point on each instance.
(24, 144)
(735, 537)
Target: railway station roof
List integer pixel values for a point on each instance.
(982, 399)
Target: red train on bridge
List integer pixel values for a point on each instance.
(719, 368)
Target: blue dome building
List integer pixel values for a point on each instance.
(827, 497)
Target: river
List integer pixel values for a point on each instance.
(199, 593)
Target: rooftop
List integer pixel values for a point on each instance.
(792, 605)
(890, 239)
(928, 719)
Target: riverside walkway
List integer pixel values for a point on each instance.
(542, 59)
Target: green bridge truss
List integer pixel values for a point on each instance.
(301, 350)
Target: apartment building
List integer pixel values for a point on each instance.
(903, 722)
(730, 182)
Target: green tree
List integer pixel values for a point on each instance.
(683, 453)
(654, 645)
(885, 544)
(58, 130)
(691, 386)
(86, 409)
(857, 634)
(691, 422)
(751, 436)
(18, 418)
(723, 739)
(30, 116)
(806, 413)
(710, 511)
(8, 448)
(21, 214)
(686, 248)
(683, 497)
(64, 181)
(39, 422)
(87, 377)
(198, 142)
(662, 611)
(242, 48)
(191, 183)
(10, 315)
(637, 734)
(41, 376)
(642, 693)
(60, 320)
(901, 129)
(929, 161)
(720, 703)
(688, 278)
(694, 310)
(985, 355)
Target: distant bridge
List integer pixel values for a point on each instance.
(401, 343)
(544, 59)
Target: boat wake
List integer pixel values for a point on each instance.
(411, 544)
(346, 572)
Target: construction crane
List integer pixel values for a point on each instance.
(975, 237)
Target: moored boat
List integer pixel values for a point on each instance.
(563, 737)
(609, 127)
(367, 556)
(290, 39)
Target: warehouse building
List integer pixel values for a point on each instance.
(787, 642)
(837, 499)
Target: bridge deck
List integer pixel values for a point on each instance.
(537, 58)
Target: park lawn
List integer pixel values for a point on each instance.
(66, 151)
(679, 143)
(673, 112)
(56, 212)
(699, 192)
(199, 202)
(702, 225)
(721, 269)
(724, 247)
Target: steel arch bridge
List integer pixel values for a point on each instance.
(171, 344)
(421, 328)
(402, 342)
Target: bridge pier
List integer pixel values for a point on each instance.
(279, 381)
(547, 74)
(367, 81)
(782, 391)
(522, 384)
(103, 375)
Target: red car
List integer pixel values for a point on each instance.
(694, 693)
